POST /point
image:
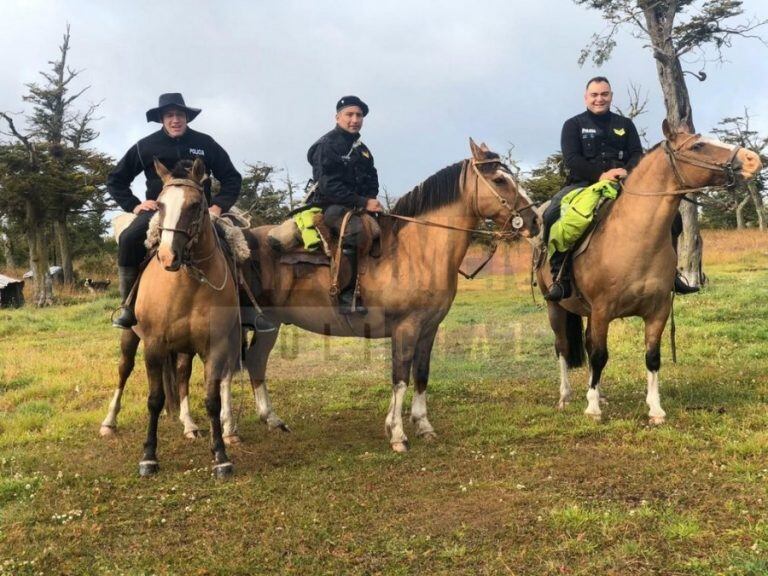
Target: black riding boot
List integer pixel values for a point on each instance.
(347, 304)
(251, 317)
(561, 280)
(681, 286)
(127, 276)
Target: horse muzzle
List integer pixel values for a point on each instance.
(169, 259)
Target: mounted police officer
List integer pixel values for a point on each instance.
(597, 145)
(342, 167)
(173, 142)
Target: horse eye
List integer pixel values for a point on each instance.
(499, 180)
(697, 146)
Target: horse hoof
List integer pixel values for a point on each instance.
(232, 439)
(148, 468)
(223, 471)
(107, 431)
(277, 424)
(193, 434)
(595, 417)
(428, 437)
(562, 404)
(656, 420)
(400, 447)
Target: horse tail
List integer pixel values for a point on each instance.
(170, 385)
(574, 332)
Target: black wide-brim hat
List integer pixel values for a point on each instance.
(346, 101)
(171, 100)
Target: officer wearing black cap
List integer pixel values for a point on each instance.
(342, 167)
(173, 142)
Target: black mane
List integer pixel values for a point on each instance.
(440, 189)
(182, 169)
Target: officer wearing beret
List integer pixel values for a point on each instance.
(597, 145)
(173, 142)
(342, 167)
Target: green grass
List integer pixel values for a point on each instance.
(510, 487)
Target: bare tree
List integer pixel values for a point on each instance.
(674, 28)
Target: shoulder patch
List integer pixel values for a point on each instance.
(619, 131)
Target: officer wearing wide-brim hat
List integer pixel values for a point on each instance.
(342, 167)
(174, 141)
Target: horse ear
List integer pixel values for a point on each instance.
(484, 147)
(161, 170)
(477, 152)
(666, 130)
(198, 170)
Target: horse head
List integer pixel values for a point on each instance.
(699, 162)
(182, 211)
(497, 195)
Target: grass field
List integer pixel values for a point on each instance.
(511, 486)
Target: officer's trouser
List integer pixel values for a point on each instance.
(130, 249)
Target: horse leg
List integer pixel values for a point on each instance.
(404, 339)
(229, 426)
(256, 361)
(421, 360)
(654, 327)
(183, 374)
(216, 371)
(129, 342)
(597, 349)
(558, 318)
(155, 401)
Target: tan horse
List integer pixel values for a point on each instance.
(629, 266)
(185, 313)
(410, 288)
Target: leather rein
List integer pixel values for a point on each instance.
(510, 230)
(192, 232)
(676, 157)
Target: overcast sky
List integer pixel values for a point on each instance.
(267, 74)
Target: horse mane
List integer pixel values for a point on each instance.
(440, 189)
(182, 169)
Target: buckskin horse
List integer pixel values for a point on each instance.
(186, 313)
(409, 289)
(628, 268)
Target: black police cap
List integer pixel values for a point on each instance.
(352, 101)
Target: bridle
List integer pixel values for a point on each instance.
(192, 232)
(676, 157)
(514, 220)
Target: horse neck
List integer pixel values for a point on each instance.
(420, 242)
(647, 206)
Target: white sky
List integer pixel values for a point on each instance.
(267, 74)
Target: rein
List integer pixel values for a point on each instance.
(676, 157)
(192, 233)
(505, 233)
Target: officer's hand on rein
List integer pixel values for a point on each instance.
(144, 206)
(613, 174)
(373, 205)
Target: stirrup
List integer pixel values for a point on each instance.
(126, 320)
(558, 291)
(348, 305)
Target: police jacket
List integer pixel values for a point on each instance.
(593, 143)
(343, 168)
(168, 150)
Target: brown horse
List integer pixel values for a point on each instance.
(186, 313)
(410, 288)
(628, 269)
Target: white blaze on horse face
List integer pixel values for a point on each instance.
(717, 143)
(173, 201)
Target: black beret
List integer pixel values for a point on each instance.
(352, 101)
